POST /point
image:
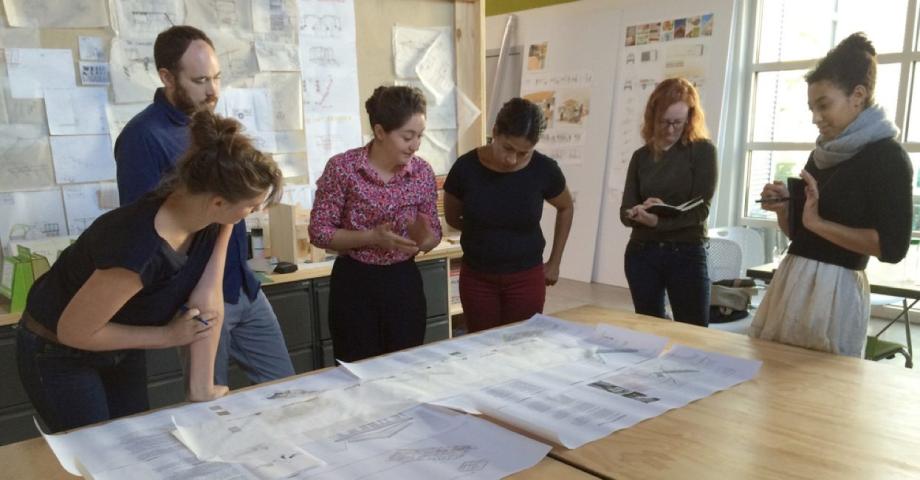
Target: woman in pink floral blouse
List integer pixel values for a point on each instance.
(377, 206)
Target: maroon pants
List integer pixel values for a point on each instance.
(493, 299)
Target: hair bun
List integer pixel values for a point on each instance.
(857, 42)
(211, 130)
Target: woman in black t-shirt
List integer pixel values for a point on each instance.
(146, 275)
(677, 165)
(819, 295)
(494, 195)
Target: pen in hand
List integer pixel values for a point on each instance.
(204, 322)
(773, 200)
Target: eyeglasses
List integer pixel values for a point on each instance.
(676, 124)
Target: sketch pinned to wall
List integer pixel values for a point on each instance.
(133, 71)
(226, 15)
(277, 18)
(410, 44)
(277, 57)
(286, 102)
(31, 70)
(144, 19)
(77, 111)
(31, 215)
(17, 110)
(439, 149)
(436, 68)
(238, 63)
(92, 49)
(573, 106)
(94, 73)
(83, 204)
(292, 164)
(26, 157)
(82, 158)
(56, 14)
(118, 115)
(327, 136)
(536, 56)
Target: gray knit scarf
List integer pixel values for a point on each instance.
(871, 125)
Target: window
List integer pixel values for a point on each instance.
(791, 36)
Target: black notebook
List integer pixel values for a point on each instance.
(665, 210)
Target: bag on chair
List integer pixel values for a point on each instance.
(730, 299)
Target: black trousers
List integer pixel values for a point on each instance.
(375, 309)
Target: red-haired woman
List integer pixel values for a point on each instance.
(676, 165)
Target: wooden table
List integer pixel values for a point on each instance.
(806, 415)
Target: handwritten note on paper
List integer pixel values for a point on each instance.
(77, 111)
(94, 73)
(32, 70)
(436, 68)
(82, 158)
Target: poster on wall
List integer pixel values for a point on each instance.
(565, 99)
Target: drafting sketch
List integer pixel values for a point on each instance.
(82, 158)
(286, 99)
(118, 115)
(251, 107)
(276, 17)
(26, 157)
(83, 206)
(277, 57)
(323, 56)
(438, 454)
(18, 110)
(323, 26)
(439, 149)
(238, 61)
(31, 215)
(32, 70)
(410, 44)
(133, 71)
(144, 19)
(228, 15)
(55, 14)
(436, 68)
(384, 428)
(329, 93)
(77, 111)
(94, 73)
(472, 466)
(92, 48)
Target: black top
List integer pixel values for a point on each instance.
(684, 172)
(871, 190)
(126, 238)
(502, 211)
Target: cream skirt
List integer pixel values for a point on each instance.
(815, 305)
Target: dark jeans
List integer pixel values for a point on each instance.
(678, 268)
(70, 388)
(375, 309)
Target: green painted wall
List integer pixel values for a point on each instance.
(498, 7)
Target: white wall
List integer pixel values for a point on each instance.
(599, 189)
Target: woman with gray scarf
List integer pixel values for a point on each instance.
(856, 202)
